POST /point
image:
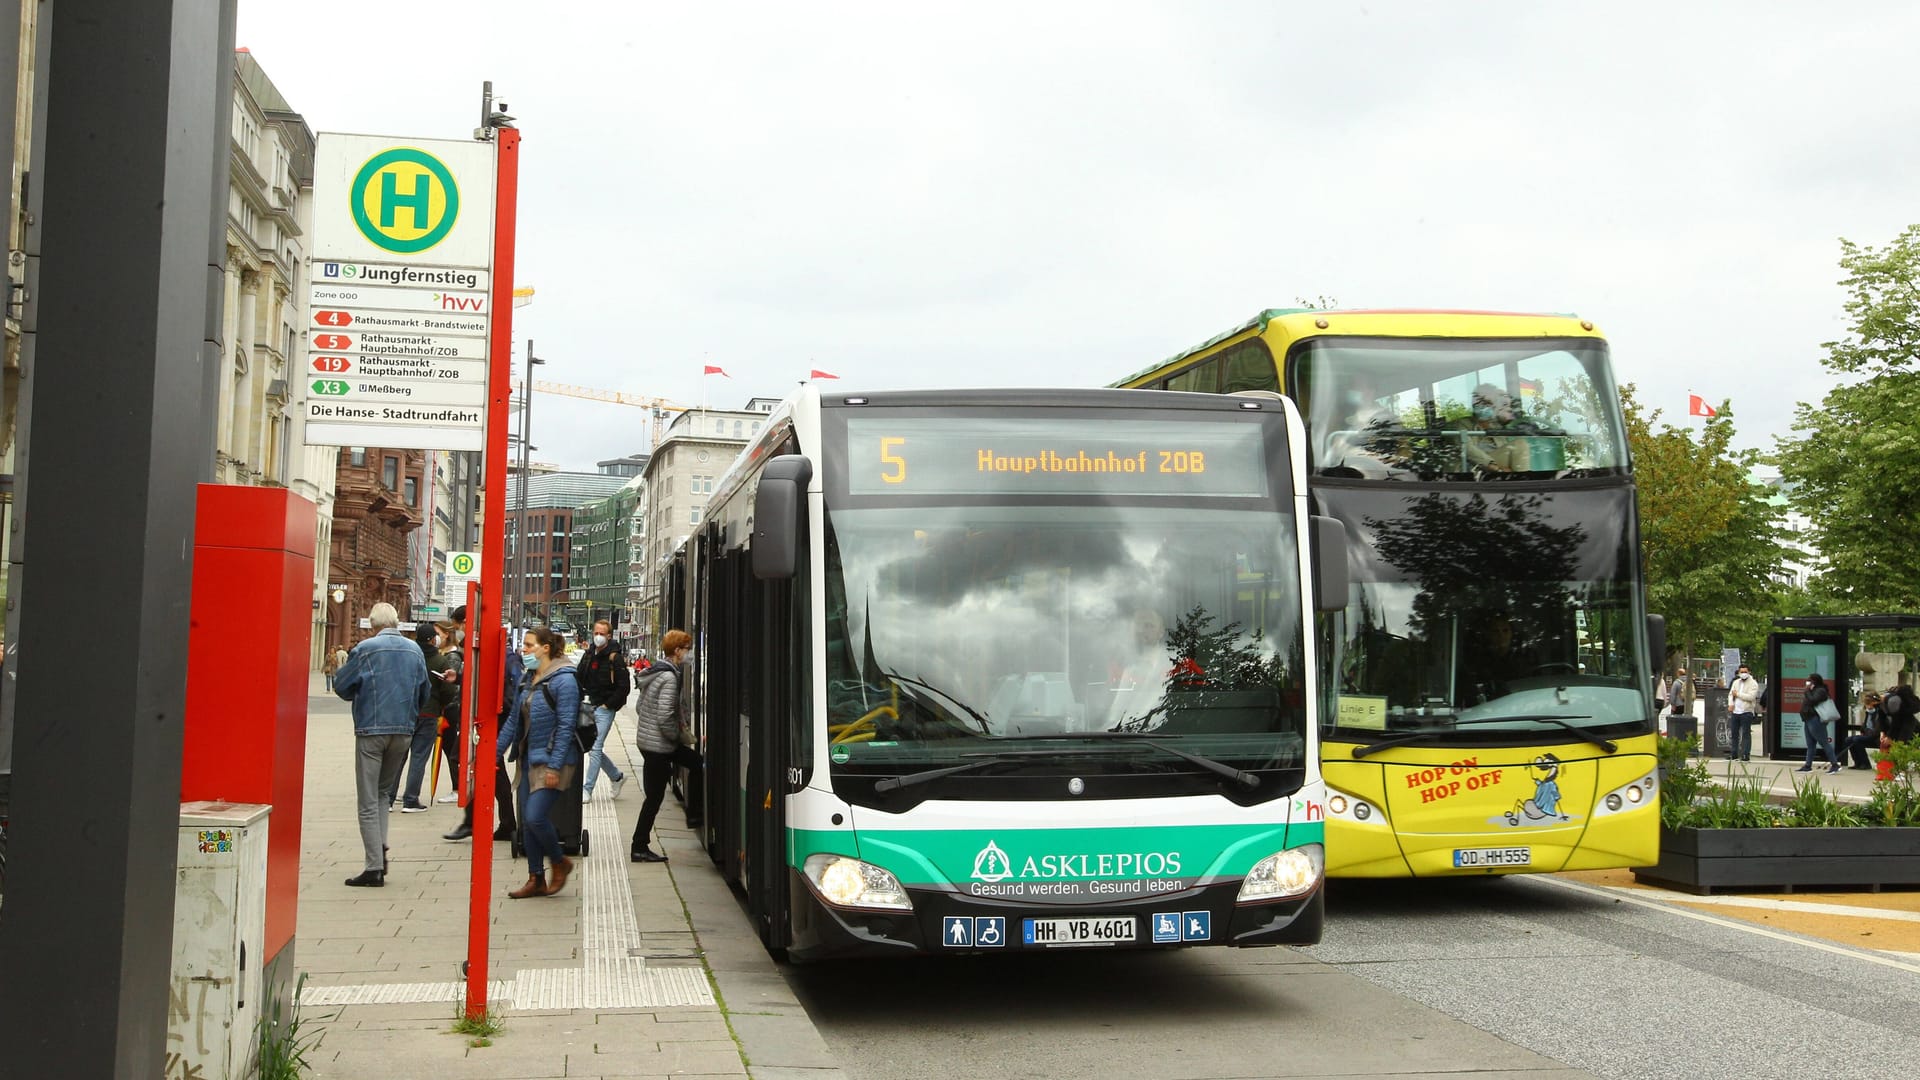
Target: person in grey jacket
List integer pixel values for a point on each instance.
(659, 734)
(385, 677)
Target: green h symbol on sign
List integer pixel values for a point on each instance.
(415, 200)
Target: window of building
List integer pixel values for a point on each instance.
(693, 516)
(390, 473)
(412, 495)
(737, 425)
(357, 455)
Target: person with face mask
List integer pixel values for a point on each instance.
(1743, 710)
(552, 756)
(603, 678)
(662, 725)
(426, 731)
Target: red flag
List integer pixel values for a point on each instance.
(714, 370)
(818, 374)
(1697, 406)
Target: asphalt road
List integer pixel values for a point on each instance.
(1517, 977)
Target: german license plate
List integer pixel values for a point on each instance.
(1468, 858)
(1081, 931)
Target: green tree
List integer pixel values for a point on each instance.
(1851, 469)
(1708, 534)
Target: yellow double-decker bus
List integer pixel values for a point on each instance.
(1494, 711)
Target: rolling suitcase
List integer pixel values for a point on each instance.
(575, 838)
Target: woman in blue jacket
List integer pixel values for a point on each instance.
(551, 757)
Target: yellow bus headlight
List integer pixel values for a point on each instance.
(850, 883)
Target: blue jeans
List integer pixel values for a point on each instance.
(596, 758)
(1740, 732)
(425, 731)
(537, 833)
(1816, 729)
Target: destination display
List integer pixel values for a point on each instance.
(1054, 456)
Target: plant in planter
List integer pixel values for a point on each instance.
(1731, 835)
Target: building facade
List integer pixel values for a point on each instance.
(379, 504)
(539, 555)
(602, 559)
(681, 475)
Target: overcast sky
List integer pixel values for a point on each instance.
(1057, 194)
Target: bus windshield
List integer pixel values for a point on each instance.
(1441, 409)
(956, 631)
(1493, 613)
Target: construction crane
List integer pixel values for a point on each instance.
(662, 408)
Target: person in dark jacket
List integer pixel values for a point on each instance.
(1815, 725)
(513, 676)
(551, 758)
(661, 730)
(1902, 711)
(603, 678)
(436, 647)
(1873, 725)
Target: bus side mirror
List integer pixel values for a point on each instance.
(778, 516)
(1329, 564)
(1657, 642)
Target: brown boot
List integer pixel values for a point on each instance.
(536, 886)
(562, 866)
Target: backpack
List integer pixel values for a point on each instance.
(622, 686)
(586, 728)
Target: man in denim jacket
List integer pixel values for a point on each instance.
(385, 677)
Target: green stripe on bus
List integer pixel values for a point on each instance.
(954, 856)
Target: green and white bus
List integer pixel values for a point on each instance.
(993, 670)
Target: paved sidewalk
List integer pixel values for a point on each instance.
(606, 980)
(1848, 785)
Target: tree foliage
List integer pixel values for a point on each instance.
(1708, 545)
(1852, 466)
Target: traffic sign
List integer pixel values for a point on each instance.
(401, 298)
(462, 567)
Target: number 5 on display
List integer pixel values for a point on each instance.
(887, 457)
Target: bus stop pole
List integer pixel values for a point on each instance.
(488, 635)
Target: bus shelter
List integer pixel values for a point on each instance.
(1808, 644)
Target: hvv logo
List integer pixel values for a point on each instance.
(449, 302)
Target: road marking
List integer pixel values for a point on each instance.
(1803, 906)
(1626, 897)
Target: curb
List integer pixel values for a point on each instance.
(776, 1036)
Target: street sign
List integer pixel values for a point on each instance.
(401, 300)
(462, 567)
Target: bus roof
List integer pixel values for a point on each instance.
(1419, 322)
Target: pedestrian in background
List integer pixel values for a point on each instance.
(512, 677)
(1873, 723)
(603, 678)
(385, 678)
(447, 669)
(426, 726)
(1813, 722)
(661, 731)
(551, 758)
(1680, 694)
(1902, 711)
(1743, 709)
(328, 667)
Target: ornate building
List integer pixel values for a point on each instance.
(379, 498)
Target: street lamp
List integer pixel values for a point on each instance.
(520, 516)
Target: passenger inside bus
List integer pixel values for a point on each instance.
(1496, 442)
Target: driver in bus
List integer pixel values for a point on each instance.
(1492, 661)
(1489, 446)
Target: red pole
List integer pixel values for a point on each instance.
(483, 621)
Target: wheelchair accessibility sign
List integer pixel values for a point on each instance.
(973, 932)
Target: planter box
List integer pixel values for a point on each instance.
(1703, 860)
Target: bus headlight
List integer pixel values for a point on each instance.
(850, 883)
(1285, 874)
(1629, 796)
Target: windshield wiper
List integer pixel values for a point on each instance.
(1238, 776)
(895, 783)
(1421, 736)
(971, 712)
